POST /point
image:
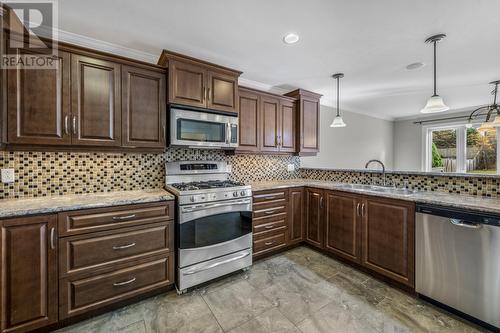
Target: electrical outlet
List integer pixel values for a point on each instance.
(291, 167)
(8, 176)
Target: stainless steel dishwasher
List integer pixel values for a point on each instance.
(458, 260)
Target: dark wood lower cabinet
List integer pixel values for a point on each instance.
(296, 215)
(389, 239)
(375, 233)
(29, 273)
(314, 217)
(100, 264)
(343, 225)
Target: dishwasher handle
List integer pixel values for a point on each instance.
(465, 224)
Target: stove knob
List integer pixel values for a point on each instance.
(214, 196)
(235, 194)
(192, 198)
(243, 193)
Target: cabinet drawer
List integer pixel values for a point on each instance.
(90, 220)
(266, 196)
(79, 295)
(101, 249)
(268, 211)
(270, 218)
(269, 244)
(269, 225)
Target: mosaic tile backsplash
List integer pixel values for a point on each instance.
(59, 173)
(478, 186)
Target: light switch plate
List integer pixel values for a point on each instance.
(291, 167)
(8, 176)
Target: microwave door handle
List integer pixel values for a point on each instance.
(228, 133)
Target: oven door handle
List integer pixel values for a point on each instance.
(215, 205)
(194, 271)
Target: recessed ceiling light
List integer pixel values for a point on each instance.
(291, 38)
(415, 66)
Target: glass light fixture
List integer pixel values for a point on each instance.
(491, 110)
(435, 103)
(338, 121)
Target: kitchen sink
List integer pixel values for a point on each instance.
(376, 188)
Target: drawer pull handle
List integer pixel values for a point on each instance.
(270, 211)
(269, 226)
(117, 284)
(119, 218)
(269, 243)
(121, 247)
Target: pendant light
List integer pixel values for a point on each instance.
(490, 111)
(435, 103)
(338, 121)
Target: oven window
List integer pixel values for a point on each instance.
(214, 229)
(197, 130)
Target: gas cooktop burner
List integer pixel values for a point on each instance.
(206, 185)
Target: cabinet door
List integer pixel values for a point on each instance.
(389, 238)
(29, 273)
(342, 233)
(186, 84)
(309, 125)
(96, 102)
(38, 103)
(222, 92)
(296, 216)
(143, 108)
(287, 126)
(269, 111)
(249, 117)
(314, 220)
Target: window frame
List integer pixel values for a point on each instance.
(461, 134)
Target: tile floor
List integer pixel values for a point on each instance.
(299, 290)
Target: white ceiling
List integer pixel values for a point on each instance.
(370, 41)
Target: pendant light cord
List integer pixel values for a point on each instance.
(338, 94)
(435, 77)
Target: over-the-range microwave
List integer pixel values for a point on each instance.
(201, 129)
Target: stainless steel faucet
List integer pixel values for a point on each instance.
(383, 168)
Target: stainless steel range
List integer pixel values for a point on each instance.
(214, 221)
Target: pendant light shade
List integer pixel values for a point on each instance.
(338, 121)
(435, 103)
(490, 111)
(496, 122)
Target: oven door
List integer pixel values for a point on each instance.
(210, 230)
(202, 129)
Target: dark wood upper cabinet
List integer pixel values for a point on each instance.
(222, 94)
(187, 84)
(389, 238)
(308, 121)
(29, 273)
(96, 102)
(286, 138)
(198, 83)
(143, 107)
(270, 109)
(38, 103)
(296, 215)
(343, 225)
(314, 217)
(249, 117)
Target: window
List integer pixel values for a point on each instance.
(458, 148)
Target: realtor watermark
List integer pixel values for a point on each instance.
(31, 33)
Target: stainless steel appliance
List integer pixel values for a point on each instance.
(458, 261)
(214, 221)
(201, 129)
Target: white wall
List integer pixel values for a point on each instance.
(407, 146)
(351, 147)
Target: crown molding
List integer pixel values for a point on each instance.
(261, 86)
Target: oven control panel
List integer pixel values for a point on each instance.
(215, 196)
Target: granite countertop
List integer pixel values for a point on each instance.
(54, 204)
(469, 202)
